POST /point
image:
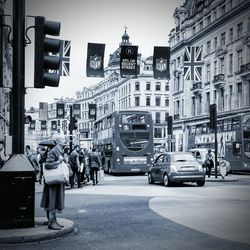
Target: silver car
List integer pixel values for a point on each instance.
(176, 167)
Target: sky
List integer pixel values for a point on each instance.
(148, 24)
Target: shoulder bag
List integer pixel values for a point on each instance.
(57, 175)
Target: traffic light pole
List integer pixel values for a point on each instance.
(18, 90)
(215, 146)
(70, 130)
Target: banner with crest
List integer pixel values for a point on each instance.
(60, 111)
(53, 125)
(161, 60)
(95, 60)
(92, 111)
(77, 110)
(43, 125)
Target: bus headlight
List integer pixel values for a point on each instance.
(246, 165)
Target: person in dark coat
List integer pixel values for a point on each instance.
(209, 161)
(94, 164)
(53, 195)
(75, 166)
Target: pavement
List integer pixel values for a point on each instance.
(41, 232)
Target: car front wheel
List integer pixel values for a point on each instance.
(166, 180)
(200, 183)
(150, 179)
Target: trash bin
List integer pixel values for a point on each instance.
(17, 193)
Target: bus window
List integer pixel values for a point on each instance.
(237, 149)
(247, 149)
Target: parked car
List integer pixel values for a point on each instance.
(200, 155)
(176, 167)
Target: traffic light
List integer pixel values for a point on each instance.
(46, 62)
(170, 125)
(72, 123)
(213, 116)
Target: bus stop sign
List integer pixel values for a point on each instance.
(223, 168)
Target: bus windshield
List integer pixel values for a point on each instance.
(134, 141)
(133, 118)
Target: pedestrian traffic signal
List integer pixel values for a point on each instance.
(73, 123)
(46, 62)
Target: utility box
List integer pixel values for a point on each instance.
(17, 193)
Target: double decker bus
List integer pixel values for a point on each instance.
(233, 137)
(126, 140)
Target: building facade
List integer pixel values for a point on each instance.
(116, 93)
(221, 28)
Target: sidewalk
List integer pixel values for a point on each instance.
(38, 233)
(228, 178)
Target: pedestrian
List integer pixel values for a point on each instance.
(75, 166)
(209, 161)
(94, 164)
(53, 195)
(3, 156)
(43, 156)
(32, 157)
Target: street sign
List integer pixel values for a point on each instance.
(223, 168)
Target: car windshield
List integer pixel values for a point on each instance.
(183, 158)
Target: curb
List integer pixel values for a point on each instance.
(39, 232)
(221, 180)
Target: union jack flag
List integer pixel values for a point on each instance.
(192, 63)
(64, 68)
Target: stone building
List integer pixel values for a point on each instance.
(221, 29)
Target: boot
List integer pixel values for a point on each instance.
(52, 221)
(58, 224)
(53, 226)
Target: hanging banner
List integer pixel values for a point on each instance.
(92, 111)
(32, 125)
(128, 61)
(77, 110)
(193, 63)
(60, 111)
(53, 125)
(161, 60)
(43, 111)
(95, 59)
(43, 125)
(65, 47)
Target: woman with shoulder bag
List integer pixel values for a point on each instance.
(53, 195)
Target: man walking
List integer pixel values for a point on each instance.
(74, 163)
(94, 164)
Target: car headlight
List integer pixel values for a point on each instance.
(173, 168)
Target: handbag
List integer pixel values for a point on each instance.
(101, 176)
(57, 175)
